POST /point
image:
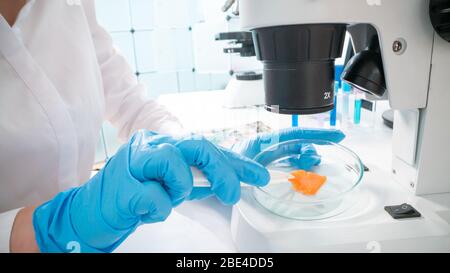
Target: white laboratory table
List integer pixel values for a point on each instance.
(204, 226)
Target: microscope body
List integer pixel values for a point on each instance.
(413, 72)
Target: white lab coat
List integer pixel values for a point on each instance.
(60, 78)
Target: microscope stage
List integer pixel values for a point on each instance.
(365, 227)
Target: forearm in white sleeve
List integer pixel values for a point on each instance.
(6, 224)
(126, 104)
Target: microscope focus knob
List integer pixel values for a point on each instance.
(440, 17)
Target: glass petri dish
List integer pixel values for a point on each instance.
(342, 167)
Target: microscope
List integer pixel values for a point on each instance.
(401, 53)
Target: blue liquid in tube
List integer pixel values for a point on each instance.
(294, 120)
(333, 113)
(357, 114)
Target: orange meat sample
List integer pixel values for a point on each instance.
(307, 183)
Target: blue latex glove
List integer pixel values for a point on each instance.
(224, 168)
(309, 157)
(140, 184)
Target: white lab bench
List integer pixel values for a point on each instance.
(204, 226)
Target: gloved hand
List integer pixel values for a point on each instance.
(140, 184)
(224, 169)
(309, 157)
